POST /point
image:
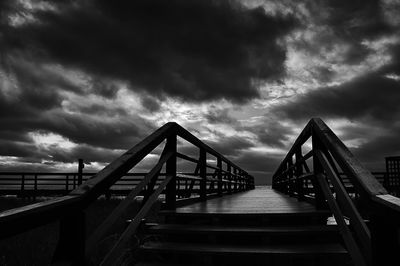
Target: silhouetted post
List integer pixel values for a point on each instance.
(219, 166)
(170, 169)
(81, 165)
(299, 172)
(66, 184)
(229, 177)
(23, 186)
(35, 186)
(235, 179)
(290, 176)
(203, 174)
(318, 169)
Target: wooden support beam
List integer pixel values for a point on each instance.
(318, 169)
(170, 197)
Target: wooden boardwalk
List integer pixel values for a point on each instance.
(261, 200)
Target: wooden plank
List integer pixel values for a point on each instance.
(389, 201)
(351, 211)
(348, 239)
(258, 201)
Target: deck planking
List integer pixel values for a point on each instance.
(261, 200)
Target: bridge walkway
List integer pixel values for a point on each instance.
(261, 226)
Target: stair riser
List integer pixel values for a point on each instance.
(161, 256)
(248, 239)
(266, 220)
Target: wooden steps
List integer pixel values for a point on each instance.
(203, 243)
(275, 230)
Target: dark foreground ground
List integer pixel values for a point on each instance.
(35, 247)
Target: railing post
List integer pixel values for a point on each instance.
(81, 165)
(22, 185)
(234, 180)
(71, 242)
(299, 172)
(66, 184)
(203, 174)
(35, 186)
(219, 166)
(229, 177)
(318, 169)
(290, 177)
(170, 169)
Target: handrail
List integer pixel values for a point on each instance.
(330, 157)
(69, 209)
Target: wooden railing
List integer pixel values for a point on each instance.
(214, 175)
(368, 218)
(37, 184)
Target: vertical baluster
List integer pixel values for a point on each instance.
(170, 198)
(81, 165)
(290, 176)
(299, 172)
(229, 177)
(35, 184)
(203, 174)
(318, 169)
(219, 165)
(23, 185)
(66, 184)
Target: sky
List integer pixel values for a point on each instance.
(90, 79)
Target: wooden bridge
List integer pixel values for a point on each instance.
(214, 215)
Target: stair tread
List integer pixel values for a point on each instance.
(303, 249)
(204, 229)
(246, 213)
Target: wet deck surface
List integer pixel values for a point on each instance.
(262, 200)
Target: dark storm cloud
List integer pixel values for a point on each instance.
(100, 110)
(150, 103)
(18, 149)
(194, 50)
(384, 145)
(231, 146)
(260, 165)
(219, 116)
(340, 27)
(371, 101)
(373, 97)
(88, 153)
